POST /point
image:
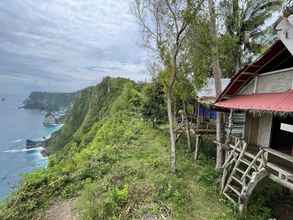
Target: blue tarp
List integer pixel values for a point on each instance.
(207, 113)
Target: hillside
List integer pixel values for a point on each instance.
(49, 101)
(112, 164)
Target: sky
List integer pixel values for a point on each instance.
(66, 45)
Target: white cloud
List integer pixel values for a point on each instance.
(79, 40)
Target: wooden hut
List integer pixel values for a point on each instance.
(206, 96)
(263, 92)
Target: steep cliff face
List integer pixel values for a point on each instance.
(49, 101)
(90, 106)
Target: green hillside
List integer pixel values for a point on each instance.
(115, 165)
(49, 101)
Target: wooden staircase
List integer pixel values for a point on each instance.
(241, 174)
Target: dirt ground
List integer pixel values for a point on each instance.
(61, 211)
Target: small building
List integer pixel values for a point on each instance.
(263, 92)
(206, 97)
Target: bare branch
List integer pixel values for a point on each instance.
(173, 15)
(140, 17)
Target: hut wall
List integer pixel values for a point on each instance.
(264, 130)
(251, 129)
(258, 129)
(279, 81)
(248, 89)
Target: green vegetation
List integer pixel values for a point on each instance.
(154, 104)
(246, 34)
(49, 101)
(116, 166)
(90, 106)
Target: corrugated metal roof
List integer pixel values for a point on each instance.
(271, 102)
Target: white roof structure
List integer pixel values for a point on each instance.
(285, 32)
(208, 93)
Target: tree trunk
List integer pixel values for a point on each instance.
(217, 77)
(187, 126)
(238, 59)
(171, 130)
(197, 139)
(174, 112)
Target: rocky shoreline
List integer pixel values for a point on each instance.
(31, 144)
(42, 143)
(52, 119)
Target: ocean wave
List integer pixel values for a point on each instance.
(17, 141)
(23, 150)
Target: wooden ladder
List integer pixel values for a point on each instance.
(240, 176)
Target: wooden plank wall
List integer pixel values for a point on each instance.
(251, 129)
(264, 130)
(258, 129)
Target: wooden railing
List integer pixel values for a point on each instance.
(245, 168)
(277, 172)
(259, 156)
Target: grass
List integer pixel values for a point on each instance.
(124, 174)
(142, 167)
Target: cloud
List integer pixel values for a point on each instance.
(68, 42)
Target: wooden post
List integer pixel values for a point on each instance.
(230, 124)
(186, 123)
(196, 147)
(198, 117)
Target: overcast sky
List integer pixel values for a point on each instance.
(66, 45)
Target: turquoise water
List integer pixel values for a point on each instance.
(17, 125)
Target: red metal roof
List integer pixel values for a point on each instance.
(272, 102)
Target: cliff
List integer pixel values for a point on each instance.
(49, 101)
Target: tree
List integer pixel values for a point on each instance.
(244, 27)
(216, 69)
(165, 24)
(184, 90)
(154, 106)
(288, 9)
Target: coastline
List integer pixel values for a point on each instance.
(42, 143)
(18, 125)
(31, 159)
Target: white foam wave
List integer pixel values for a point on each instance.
(17, 141)
(24, 150)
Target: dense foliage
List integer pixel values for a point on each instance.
(116, 166)
(246, 32)
(49, 101)
(90, 106)
(154, 104)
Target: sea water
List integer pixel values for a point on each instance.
(17, 125)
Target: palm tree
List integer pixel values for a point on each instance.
(244, 23)
(288, 9)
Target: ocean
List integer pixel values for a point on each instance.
(17, 125)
